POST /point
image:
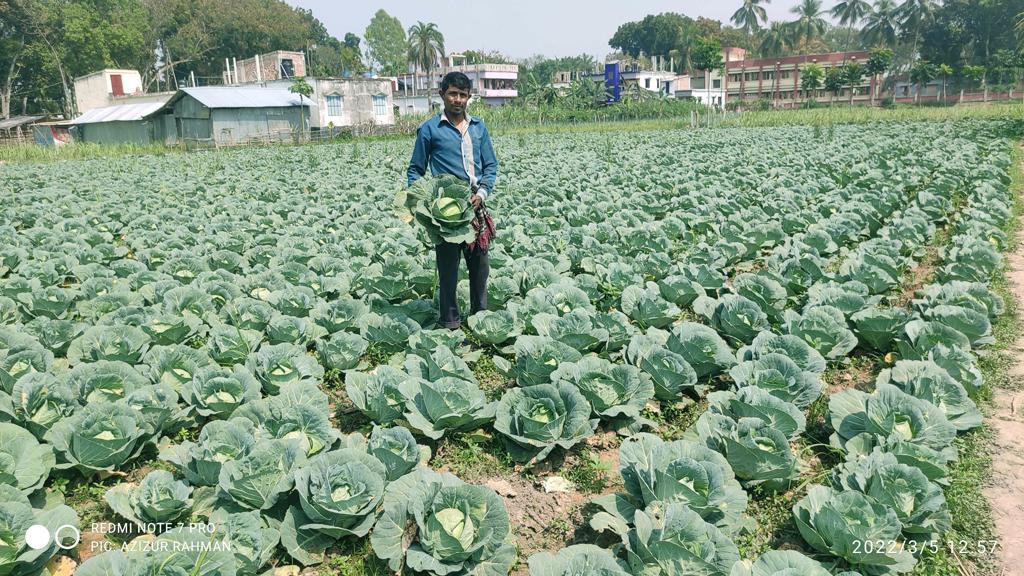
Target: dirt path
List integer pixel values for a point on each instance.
(1007, 491)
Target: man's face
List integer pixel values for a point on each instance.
(455, 100)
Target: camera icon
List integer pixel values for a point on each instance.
(65, 537)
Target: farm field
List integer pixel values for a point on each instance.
(741, 351)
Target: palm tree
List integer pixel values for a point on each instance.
(913, 15)
(944, 71)
(750, 16)
(809, 24)
(775, 40)
(850, 13)
(426, 46)
(881, 25)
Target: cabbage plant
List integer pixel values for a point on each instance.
(535, 420)
(25, 464)
(671, 375)
(919, 503)
(736, 317)
(445, 405)
(282, 365)
(616, 392)
(158, 498)
(824, 328)
(672, 472)
(674, 539)
(99, 438)
(397, 449)
(435, 524)
(339, 493)
(376, 393)
(781, 377)
(264, 475)
(927, 381)
(702, 348)
(577, 560)
(840, 523)
(782, 563)
(886, 413)
(216, 392)
(219, 441)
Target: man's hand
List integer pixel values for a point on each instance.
(476, 200)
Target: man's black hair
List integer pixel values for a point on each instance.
(456, 79)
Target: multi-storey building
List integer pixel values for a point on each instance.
(494, 84)
(778, 79)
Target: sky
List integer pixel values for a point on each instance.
(523, 28)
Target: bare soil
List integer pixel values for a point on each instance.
(1006, 493)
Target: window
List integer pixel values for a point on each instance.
(786, 74)
(380, 105)
(716, 83)
(335, 105)
(647, 82)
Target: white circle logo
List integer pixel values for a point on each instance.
(37, 537)
(67, 537)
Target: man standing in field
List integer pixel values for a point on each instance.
(457, 144)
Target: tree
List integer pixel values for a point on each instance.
(708, 57)
(750, 16)
(879, 60)
(921, 74)
(303, 89)
(975, 75)
(881, 25)
(809, 24)
(812, 77)
(944, 71)
(913, 15)
(426, 47)
(386, 44)
(834, 81)
(776, 39)
(853, 73)
(13, 39)
(850, 13)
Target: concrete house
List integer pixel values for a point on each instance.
(99, 89)
(340, 102)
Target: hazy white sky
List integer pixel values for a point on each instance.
(522, 28)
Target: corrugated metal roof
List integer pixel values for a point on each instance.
(245, 97)
(119, 113)
(15, 121)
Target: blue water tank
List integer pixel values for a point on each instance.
(612, 82)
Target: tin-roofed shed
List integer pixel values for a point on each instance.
(234, 114)
(119, 124)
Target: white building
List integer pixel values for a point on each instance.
(100, 88)
(495, 84)
(349, 101)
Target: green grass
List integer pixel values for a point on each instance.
(864, 115)
(587, 471)
(352, 557)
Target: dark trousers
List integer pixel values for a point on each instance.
(448, 277)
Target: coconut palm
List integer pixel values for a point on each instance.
(881, 25)
(850, 13)
(914, 15)
(810, 23)
(776, 39)
(426, 46)
(750, 16)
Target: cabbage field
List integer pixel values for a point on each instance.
(227, 363)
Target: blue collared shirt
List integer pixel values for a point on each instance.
(439, 144)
